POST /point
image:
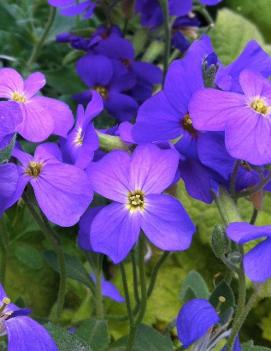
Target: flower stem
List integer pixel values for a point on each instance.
(135, 278)
(142, 277)
(4, 250)
(98, 290)
(52, 237)
(155, 271)
(164, 5)
(233, 178)
(36, 49)
(237, 325)
(129, 308)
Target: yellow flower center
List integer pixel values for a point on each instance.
(79, 138)
(259, 106)
(102, 91)
(34, 169)
(136, 201)
(187, 125)
(18, 97)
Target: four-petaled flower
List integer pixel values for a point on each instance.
(135, 182)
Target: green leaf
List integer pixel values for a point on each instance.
(249, 346)
(66, 341)
(222, 292)
(149, 339)
(195, 285)
(231, 33)
(74, 268)
(29, 256)
(258, 12)
(95, 333)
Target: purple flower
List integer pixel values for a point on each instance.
(135, 184)
(109, 290)
(195, 320)
(10, 118)
(110, 81)
(245, 117)
(23, 333)
(195, 324)
(184, 27)
(253, 58)
(42, 116)
(62, 191)
(8, 184)
(166, 116)
(257, 262)
(150, 12)
(79, 146)
(74, 8)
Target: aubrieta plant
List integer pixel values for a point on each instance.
(133, 153)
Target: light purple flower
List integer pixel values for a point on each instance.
(109, 290)
(245, 117)
(8, 184)
(183, 7)
(62, 191)
(135, 182)
(10, 118)
(257, 261)
(42, 116)
(74, 8)
(23, 333)
(78, 148)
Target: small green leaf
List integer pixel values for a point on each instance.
(29, 256)
(66, 341)
(149, 339)
(95, 333)
(231, 33)
(74, 268)
(219, 242)
(222, 296)
(249, 346)
(195, 285)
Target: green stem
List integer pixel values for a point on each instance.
(4, 240)
(36, 49)
(52, 237)
(241, 319)
(129, 308)
(167, 37)
(142, 278)
(233, 178)
(254, 216)
(155, 271)
(98, 292)
(135, 278)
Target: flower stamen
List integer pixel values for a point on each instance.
(102, 91)
(34, 169)
(18, 97)
(136, 201)
(260, 106)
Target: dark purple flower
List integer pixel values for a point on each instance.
(23, 333)
(42, 116)
(62, 191)
(257, 261)
(253, 58)
(150, 12)
(183, 29)
(110, 81)
(109, 290)
(10, 118)
(79, 146)
(195, 320)
(8, 184)
(166, 116)
(195, 325)
(74, 7)
(245, 117)
(135, 184)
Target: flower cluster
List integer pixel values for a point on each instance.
(205, 125)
